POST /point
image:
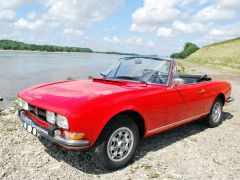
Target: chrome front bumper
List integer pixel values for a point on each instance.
(50, 133)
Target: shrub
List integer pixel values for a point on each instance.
(188, 49)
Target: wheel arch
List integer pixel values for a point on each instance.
(136, 116)
(221, 96)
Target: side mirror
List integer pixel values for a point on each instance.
(176, 82)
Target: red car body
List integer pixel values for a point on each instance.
(90, 104)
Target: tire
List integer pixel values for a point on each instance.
(120, 138)
(215, 116)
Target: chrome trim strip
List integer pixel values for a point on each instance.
(178, 122)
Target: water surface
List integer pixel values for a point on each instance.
(19, 70)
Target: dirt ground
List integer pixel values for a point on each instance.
(192, 151)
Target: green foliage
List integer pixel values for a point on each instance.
(118, 53)
(188, 49)
(15, 45)
(90, 76)
(70, 78)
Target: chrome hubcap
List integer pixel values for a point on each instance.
(120, 144)
(216, 112)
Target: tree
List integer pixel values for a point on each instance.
(188, 49)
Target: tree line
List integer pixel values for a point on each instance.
(15, 45)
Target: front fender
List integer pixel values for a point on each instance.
(109, 116)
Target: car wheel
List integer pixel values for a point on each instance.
(215, 117)
(117, 144)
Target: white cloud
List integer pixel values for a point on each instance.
(155, 12)
(83, 13)
(31, 15)
(30, 25)
(220, 34)
(7, 16)
(142, 28)
(188, 28)
(134, 40)
(113, 39)
(14, 4)
(151, 44)
(73, 32)
(214, 13)
(201, 2)
(216, 32)
(235, 4)
(165, 32)
(231, 30)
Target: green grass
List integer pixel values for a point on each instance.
(223, 54)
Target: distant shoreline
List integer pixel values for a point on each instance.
(16, 46)
(59, 52)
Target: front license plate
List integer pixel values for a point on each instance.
(30, 129)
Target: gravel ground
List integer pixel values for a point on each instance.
(188, 152)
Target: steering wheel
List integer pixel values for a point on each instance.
(152, 76)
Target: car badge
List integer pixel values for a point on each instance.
(36, 111)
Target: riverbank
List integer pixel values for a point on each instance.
(20, 70)
(188, 152)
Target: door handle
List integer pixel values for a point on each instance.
(201, 91)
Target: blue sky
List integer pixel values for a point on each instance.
(140, 26)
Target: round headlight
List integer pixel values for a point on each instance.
(20, 102)
(51, 117)
(62, 121)
(25, 105)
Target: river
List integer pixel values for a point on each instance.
(19, 70)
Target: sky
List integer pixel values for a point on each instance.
(158, 27)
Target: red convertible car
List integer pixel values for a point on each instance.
(138, 97)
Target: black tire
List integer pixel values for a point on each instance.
(211, 120)
(101, 151)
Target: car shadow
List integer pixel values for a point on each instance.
(83, 161)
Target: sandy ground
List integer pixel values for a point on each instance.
(192, 151)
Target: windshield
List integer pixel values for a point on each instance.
(147, 70)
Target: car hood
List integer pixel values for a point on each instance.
(68, 95)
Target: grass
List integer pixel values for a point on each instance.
(223, 54)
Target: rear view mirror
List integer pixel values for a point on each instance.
(138, 61)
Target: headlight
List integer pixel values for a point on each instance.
(25, 105)
(62, 121)
(20, 102)
(51, 117)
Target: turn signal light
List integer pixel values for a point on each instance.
(74, 136)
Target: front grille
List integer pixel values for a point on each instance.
(38, 112)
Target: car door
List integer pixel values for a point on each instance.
(193, 100)
(162, 107)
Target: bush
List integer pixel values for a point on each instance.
(188, 49)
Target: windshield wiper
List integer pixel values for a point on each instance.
(126, 77)
(131, 78)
